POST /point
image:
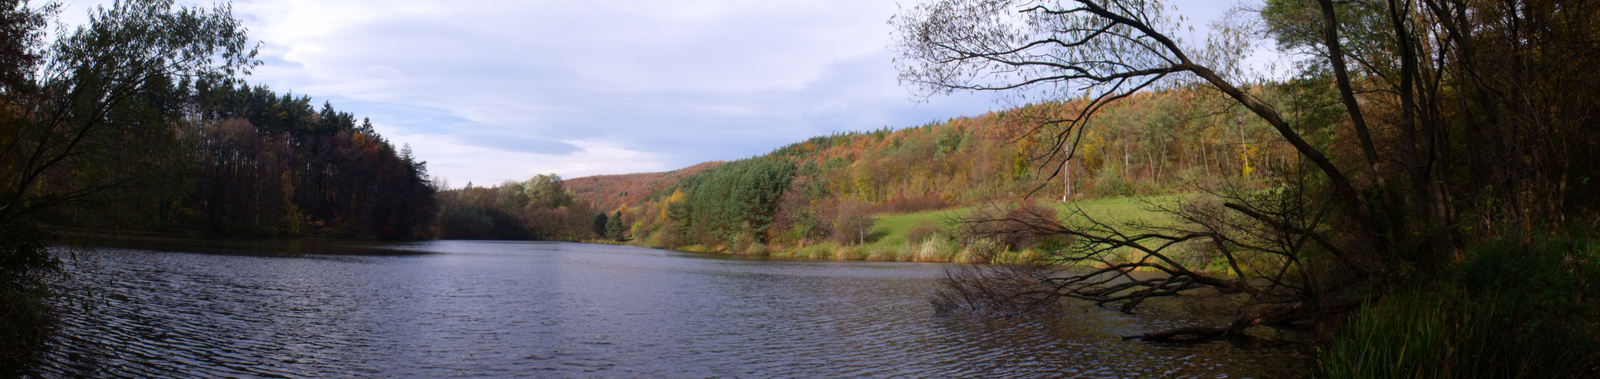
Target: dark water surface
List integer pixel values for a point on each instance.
(579, 310)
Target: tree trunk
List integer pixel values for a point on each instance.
(1067, 168)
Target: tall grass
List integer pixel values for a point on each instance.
(1414, 335)
(1510, 310)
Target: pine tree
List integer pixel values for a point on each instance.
(615, 228)
(601, 224)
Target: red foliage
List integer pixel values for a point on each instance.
(915, 204)
(606, 192)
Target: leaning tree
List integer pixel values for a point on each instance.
(1419, 99)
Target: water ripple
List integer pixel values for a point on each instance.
(573, 310)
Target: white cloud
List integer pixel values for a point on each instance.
(493, 90)
(664, 84)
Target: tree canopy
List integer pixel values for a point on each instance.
(1421, 129)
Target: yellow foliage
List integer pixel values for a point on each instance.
(677, 197)
(1245, 168)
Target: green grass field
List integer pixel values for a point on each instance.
(891, 233)
(892, 228)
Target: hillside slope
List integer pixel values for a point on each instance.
(830, 189)
(608, 192)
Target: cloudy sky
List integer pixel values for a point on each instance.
(486, 91)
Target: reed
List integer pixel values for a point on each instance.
(1509, 310)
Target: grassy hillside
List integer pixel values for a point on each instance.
(867, 191)
(862, 194)
(927, 235)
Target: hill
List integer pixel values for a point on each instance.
(831, 189)
(613, 191)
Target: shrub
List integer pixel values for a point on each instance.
(756, 248)
(923, 231)
(665, 238)
(935, 250)
(912, 204)
(853, 225)
(26, 268)
(1110, 183)
(1011, 229)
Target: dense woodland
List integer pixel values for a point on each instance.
(1436, 214)
(539, 208)
(243, 160)
(838, 182)
(138, 121)
(828, 188)
(1434, 152)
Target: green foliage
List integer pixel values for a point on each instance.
(1413, 335)
(546, 190)
(1511, 309)
(1021, 166)
(599, 225)
(616, 230)
(95, 119)
(26, 269)
(512, 195)
(1430, 127)
(538, 208)
(950, 141)
(276, 165)
(1111, 184)
(736, 198)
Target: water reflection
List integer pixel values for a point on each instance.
(556, 309)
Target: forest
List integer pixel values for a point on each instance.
(1416, 194)
(245, 161)
(139, 121)
(1433, 215)
(539, 208)
(828, 189)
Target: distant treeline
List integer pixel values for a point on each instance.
(539, 208)
(244, 160)
(828, 188)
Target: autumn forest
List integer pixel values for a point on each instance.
(1414, 197)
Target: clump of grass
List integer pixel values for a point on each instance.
(924, 230)
(1412, 335)
(927, 250)
(756, 248)
(1510, 310)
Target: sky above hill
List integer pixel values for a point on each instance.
(486, 91)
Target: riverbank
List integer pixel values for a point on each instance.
(931, 236)
(221, 244)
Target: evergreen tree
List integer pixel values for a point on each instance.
(601, 224)
(614, 227)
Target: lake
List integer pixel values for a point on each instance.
(485, 308)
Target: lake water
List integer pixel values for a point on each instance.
(459, 308)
